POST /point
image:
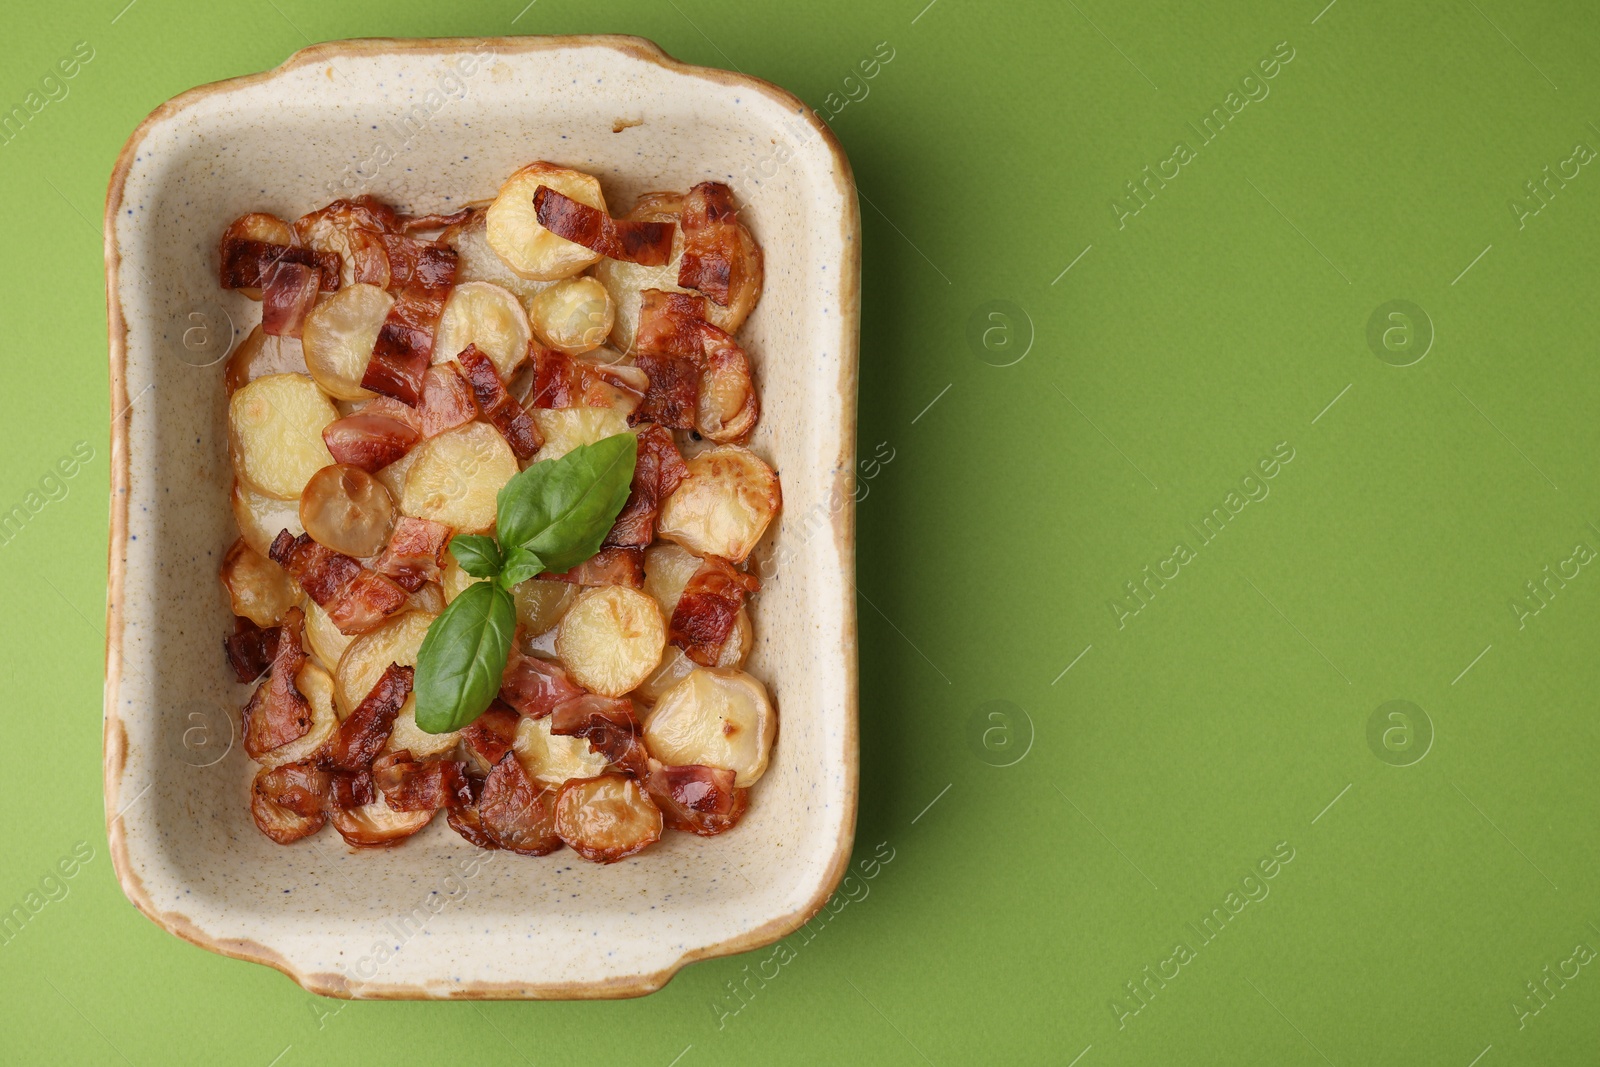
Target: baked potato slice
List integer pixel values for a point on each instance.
(514, 232)
(716, 718)
(610, 640)
(724, 506)
(485, 315)
(258, 589)
(607, 818)
(339, 337)
(275, 433)
(457, 476)
(574, 315)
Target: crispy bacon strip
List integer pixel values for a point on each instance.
(370, 442)
(351, 790)
(365, 730)
(405, 343)
(646, 243)
(711, 241)
(673, 334)
(288, 293)
(610, 727)
(708, 607)
(290, 802)
(563, 381)
(356, 598)
(415, 223)
(516, 814)
(696, 799)
(504, 413)
(250, 649)
(246, 263)
(492, 734)
(409, 784)
(278, 712)
(609, 566)
(533, 687)
(415, 554)
(446, 400)
(656, 473)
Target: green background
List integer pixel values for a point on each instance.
(1077, 829)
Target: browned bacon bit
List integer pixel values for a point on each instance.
(504, 413)
(563, 381)
(646, 243)
(405, 343)
(278, 712)
(365, 731)
(250, 648)
(609, 566)
(370, 442)
(418, 263)
(492, 734)
(355, 598)
(515, 813)
(610, 727)
(656, 473)
(288, 293)
(674, 390)
(246, 263)
(415, 554)
(673, 334)
(696, 799)
(446, 400)
(351, 790)
(409, 784)
(708, 608)
(533, 687)
(290, 802)
(351, 233)
(712, 238)
(415, 223)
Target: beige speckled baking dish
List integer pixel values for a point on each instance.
(427, 125)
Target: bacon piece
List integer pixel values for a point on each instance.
(446, 400)
(278, 712)
(656, 473)
(356, 598)
(249, 648)
(351, 233)
(610, 566)
(708, 607)
(515, 813)
(646, 243)
(610, 727)
(418, 263)
(404, 348)
(246, 263)
(504, 413)
(290, 802)
(288, 293)
(673, 334)
(409, 784)
(415, 554)
(413, 223)
(492, 734)
(370, 442)
(533, 687)
(563, 381)
(696, 799)
(365, 731)
(351, 790)
(712, 241)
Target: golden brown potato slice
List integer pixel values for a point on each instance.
(477, 262)
(667, 569)
(564, 429)
(457, 476)
(324, 640)
(551, 759)
(724, 506)
(611, 639)
(258, 588)
(261, 517)
(483, 314)
(261, 354)
(607, 818)
(376, 825)
(348, 510)
(716, 718)
(258, 226)
(316, 685)
(573, 315)
(339, 335)
(513, 225)
(275, 433)
(675, 666)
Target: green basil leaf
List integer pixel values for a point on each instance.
(520, 566)
(478, 555)
(463, 657)
(561, 510)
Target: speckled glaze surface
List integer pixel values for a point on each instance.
(437, 918)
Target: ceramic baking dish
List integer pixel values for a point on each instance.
(427, 125)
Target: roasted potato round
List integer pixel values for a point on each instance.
(261, 517)
(667, 569)
(482, 314)
(258, 588)
(513, 224)
(261, 354)
(348, 510)
(611, 639)
(564, 429)
(724, 506)
(324, 640)
(376, 825)
(542, 604)
(477, 262)
(551, 759)
(573, 315)
(716, 718)
(339, 335)
(457, 476)
(607, 818)
(275, 433)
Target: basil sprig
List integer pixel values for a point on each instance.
(550, 517)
